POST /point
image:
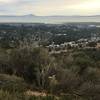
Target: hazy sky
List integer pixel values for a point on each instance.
(50, 7)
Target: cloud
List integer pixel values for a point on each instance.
(7, 1)
(50, 7)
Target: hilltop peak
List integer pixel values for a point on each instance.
(31, 15)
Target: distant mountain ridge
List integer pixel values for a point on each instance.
(51, 15)
(30, 18)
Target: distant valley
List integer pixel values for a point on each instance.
(47, 19)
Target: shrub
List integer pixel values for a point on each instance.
(12, 83)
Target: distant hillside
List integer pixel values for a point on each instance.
(48, 19)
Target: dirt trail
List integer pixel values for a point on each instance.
(36, 93)
(41, 94)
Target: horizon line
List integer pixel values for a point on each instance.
(46, 15)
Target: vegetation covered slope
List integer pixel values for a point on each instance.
(75, 74)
